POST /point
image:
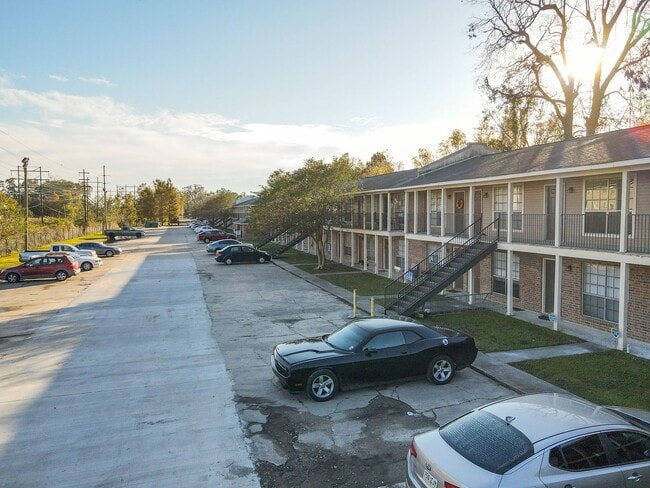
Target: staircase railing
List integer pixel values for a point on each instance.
(289, 245)
(419, 273)
(269, 238)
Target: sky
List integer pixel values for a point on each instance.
(222, 93)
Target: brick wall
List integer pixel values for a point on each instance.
(639, 304)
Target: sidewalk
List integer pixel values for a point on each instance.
(496, 365)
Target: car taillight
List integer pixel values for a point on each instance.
(412, 450)
(449, 485)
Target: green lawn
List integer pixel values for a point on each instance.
(494, 332)
(12, 259)
(606, 378)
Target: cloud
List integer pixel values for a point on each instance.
(58, 78)
(190, 148)
(96, 81)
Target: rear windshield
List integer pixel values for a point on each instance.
(487, 441)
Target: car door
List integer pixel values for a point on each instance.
(632, 451)
(583, 462)
(384, 356)
(235, 253)
(33, 268)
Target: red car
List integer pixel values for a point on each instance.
(214, 235)
(59, 267)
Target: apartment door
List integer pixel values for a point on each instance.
(459, 211)
(550, 212)
(549, 286)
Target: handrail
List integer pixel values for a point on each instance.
(450, 255)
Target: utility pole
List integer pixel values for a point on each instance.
(105, 201)
(40, 190)
(25, 163)
(84, 181)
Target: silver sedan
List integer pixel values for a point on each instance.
(545, 440)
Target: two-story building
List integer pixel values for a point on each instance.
(566, 228)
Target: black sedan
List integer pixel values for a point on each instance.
(371, 350)
(242, 253)
(100, 248)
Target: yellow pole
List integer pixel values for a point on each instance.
(354, 304)
(372, 306)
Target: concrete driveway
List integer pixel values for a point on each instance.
(155, 371)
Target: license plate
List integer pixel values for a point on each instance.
(429, 479)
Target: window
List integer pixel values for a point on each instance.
(603, 205)
(501, 205)
(384, 341)
(499, 273)
(630, 446)
(600, 289)
(585, 453)
(436, 208)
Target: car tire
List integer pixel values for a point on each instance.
(111, 236)
(441, 370)
(322, 385)
(13, 278)
(86, 266)
(109, 254)
(61, 275)
(228, 261)
(206, 240)
(261, 260)
(138, 235)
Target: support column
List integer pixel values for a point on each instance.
(376, 244)
(443, 212)
(390, 256)
(353, 249)
(428, 212)
(623, 297)
(389, 211)
(372, 212)
(625, 206)
(341, 245)
(557, 295)
(509, 307)
(559, 205)
(365, 252)
(406, 212)
(509, 223)
(331, 245)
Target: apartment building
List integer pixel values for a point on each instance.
(564, 229)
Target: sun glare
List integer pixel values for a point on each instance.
(582, 62)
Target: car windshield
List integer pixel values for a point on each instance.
(347, 339)
(487, 441)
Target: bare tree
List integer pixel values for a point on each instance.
(571, 54)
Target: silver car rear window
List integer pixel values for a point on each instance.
(487, 441)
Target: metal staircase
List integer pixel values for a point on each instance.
(289, 245)
(410, 292)
(269, 238)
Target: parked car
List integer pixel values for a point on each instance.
(100, 248)
(215, 246)
(241, 253)
(60, 267)
(543, 440)
(124, 232)
(25, 256)
(87, 261)
(369, 350)
(214, 235)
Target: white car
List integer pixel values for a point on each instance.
(87, 261)
(546, 440)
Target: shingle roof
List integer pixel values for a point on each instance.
(617, 146)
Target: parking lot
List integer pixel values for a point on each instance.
(155, 369)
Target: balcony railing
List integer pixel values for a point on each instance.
(591, 230)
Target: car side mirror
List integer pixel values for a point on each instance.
(369, 351)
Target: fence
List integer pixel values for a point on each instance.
(45, 235)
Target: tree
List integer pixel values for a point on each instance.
(217, 206)
(11, 217)
(193, 195)
(541, 49)
(167, 201)
(146, 203)
(380, 163)
(306, 201)
(457, 140)
(423, 158)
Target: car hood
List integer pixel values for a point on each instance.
(302, 350)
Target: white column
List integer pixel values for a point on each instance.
(623, 297)
(353, 249)
(559, 205)
(509, 223)
(390, 256)
(341, 245)
(509, 306)
(406, 212)
(365, 252)
(389, 211)
(372, 212)
(331, 245)
(470, 210)
(428, 212)
(443, 211)
(625, 205)
(557, 293)
(376, 244)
